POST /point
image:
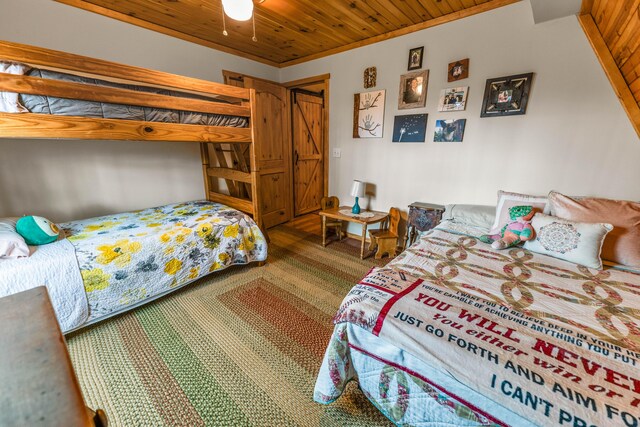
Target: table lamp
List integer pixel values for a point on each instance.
(357, 190)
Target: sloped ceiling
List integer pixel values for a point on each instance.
(613, 29)
(289, 31)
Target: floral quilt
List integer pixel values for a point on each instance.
(129, 257)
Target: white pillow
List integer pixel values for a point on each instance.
(577, 242)
(475, 215)
(12, 245)
(507, 200)
(9, 100)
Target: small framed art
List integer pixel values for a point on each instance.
(453, 99)
(415, 58)
(413, 90)
(410, 128)
(449, 130)
(458, 70)
(506, 96)
(368, 114)
(370, 75)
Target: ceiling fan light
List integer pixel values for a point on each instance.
(239, 10)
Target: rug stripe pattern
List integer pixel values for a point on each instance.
(240, 347)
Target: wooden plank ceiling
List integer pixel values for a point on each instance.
(613, 28)
(289, 31)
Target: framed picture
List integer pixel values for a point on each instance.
(506, 96)
(368, 114)
(449, 130)
(415, 58)
(458, 70)
(410, 128)
(413, 90)
(370, 75)
(453, 99)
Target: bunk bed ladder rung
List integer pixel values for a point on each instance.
(242, 164)
(222, 161)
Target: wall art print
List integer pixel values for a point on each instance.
(449, 130)
(413, 90)
(370, 76)
(368, 114)
(410, 128)
(453, 99)
(415, 58)
(506, 96)
(458, 70)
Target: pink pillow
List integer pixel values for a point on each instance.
(622, 245)
(508, 200)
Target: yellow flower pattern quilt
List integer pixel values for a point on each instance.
(129, 257)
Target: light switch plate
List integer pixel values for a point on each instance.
(337, 152)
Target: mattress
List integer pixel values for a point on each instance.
(110, 264)
(71, 107)
(456, 333)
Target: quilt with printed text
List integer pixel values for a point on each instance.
(129, 257)
(486, 337)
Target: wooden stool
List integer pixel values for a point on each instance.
(330, 203)
(386, 239)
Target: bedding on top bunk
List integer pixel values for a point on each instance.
(72, 107)
(112, 263)
(453, 332)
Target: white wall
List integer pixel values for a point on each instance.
(77, 179)
(575, 136)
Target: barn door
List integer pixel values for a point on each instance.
(308, 151)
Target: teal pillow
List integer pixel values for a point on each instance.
(36, 230)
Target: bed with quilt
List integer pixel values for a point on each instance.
(110, 264)
(455, 333)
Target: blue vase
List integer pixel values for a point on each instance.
(356, 207)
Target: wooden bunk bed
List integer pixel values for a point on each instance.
(230, 166)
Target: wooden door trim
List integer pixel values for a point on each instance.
(307, 81)
(300, 83)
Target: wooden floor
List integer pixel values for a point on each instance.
(309, 223)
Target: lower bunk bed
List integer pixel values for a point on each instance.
(111, 264)
(455, 333)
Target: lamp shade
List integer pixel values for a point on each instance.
(357, 189)
(240, 10)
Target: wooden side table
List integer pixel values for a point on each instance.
(38, 386)
(335, 214)
(422, 217)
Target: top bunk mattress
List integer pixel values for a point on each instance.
(40, 104)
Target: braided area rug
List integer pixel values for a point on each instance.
(240, 347)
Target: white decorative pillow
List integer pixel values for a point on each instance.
(508, 200)
(9, 100)
(577, 242)
(12, 245)
(475, 215)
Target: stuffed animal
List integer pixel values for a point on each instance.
(517, 231)
(36, 230)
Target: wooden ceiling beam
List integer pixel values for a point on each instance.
(423, 11)
(444, 7)
(622, 90)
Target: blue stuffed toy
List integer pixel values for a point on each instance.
(36, 230)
